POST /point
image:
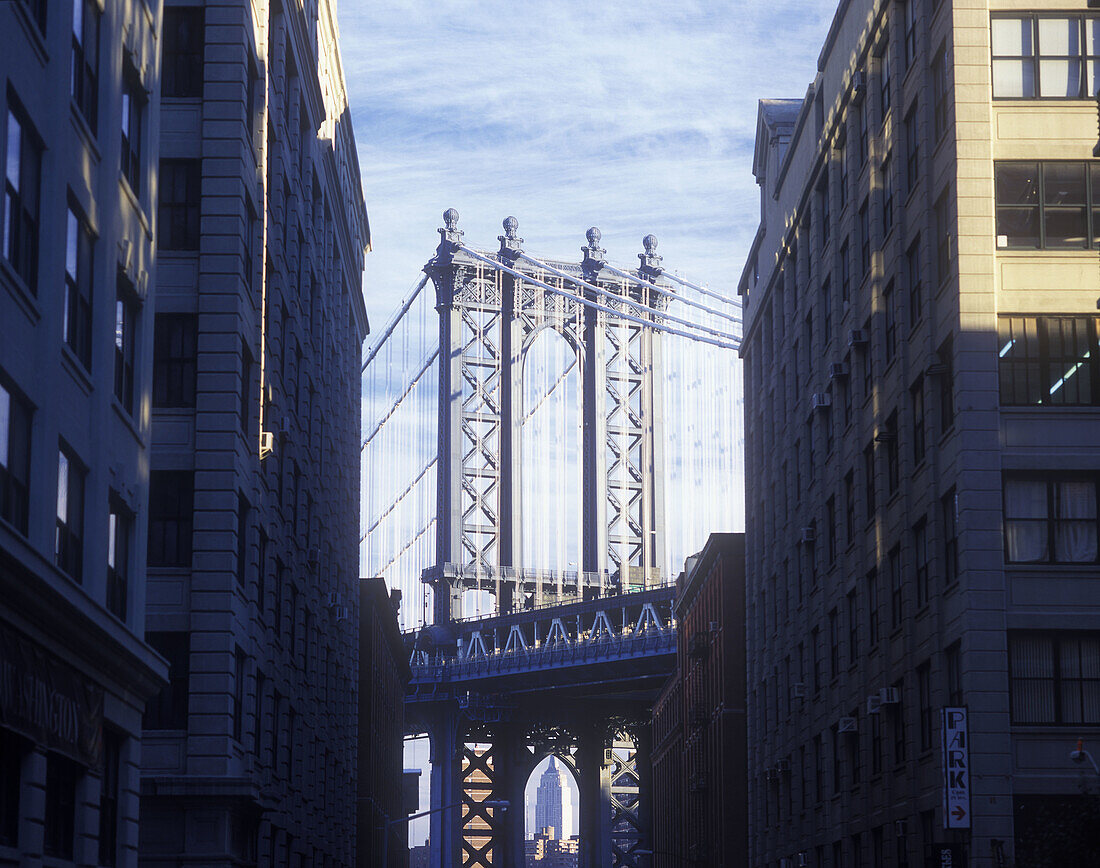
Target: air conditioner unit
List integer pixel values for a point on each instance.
(901, 827)
(889, 696)
(885, 436)
(267, 443)
(808, 535)
(783, 766)
(936, 369)
(846, 724)
(857, 337)
(859, 86)
(342, 613)
(333, 599)
(798, 690)
(873, 704)
(821, 400)
(838, 370)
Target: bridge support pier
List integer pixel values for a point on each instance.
(446, 822)
(595, 791)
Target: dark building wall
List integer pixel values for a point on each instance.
(384, 673)
(668, 775)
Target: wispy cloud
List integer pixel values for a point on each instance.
(636, 117)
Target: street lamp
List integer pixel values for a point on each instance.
(502, 804)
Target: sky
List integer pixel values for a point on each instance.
(634, 117)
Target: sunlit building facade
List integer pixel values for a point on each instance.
(250, 754)
(79, 118)
(923, 417)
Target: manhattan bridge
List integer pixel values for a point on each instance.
(525, 427)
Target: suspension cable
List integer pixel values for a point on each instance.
(702, 289)
(393, 322)
(672, 295)
(724, 344)
(432, 356)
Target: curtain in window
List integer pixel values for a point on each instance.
(1026, 520)
(1079, 662)
(1060, 52)
(1075, 528)
(1032, 694)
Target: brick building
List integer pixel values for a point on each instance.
(250, 755)
(383, 790)
(78, 108)
(922, 413)
(699, 803)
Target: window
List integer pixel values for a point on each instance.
(77, 314)
(909, 28)
(126, 312)
(15, 458)
(852, 743)
(943, 239)
(842, 155)
(864, 131)
(845, 386)
(178, 208)
(60, 820)
(890, 435)
(239, 665)
(834, 644)
(1047, 205)
(884, 80)
(108, 798)
(872, 608)
(916, 402)
(244, 512)
(823, 193)
(174, 360)
(868, 361)
(887, 195)
(899, 724)
(853, 628)
(819, 770)
(168, 710)
(120, 523)
(182, 73)
(133, 107)
(258, 722)
(949, 514)
(939, 94)
(1051, 518)
(845, 272)
(171, 507)
(924, 699)
(246, 387)
(869, 481)
(69, 538)
(22, 184)
(897, 587)
(913, 273)
(877, 847)
(850, 507)
(1054, 678)
(890, 323)
(920, 556)
(876, 742)
(834, 746)
(85, 87)
(1049, 361)
(945, 359)
(826, 311)
(952, 663)
(830, 526)
(864, 239)
(912, 150)
(815, 652)
(1045, 56)
(37, 11)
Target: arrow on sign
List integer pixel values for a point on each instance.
(959, 812)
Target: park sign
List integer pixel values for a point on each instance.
(956, 768)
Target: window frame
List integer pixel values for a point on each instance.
(1051, 521)
(174, 525)
(1035, 59)
(84, 80)
(79, 285)
(21, 234)
(120, 532)
(1041, 363)
(16, 419)
(188, 55)
(1058, 695)
(127, 314)
(134, 101)
(179, 219)
(1041, 208)
(71, 502)
(175, 361)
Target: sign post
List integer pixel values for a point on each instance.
(956, 768)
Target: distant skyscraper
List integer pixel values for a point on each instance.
(548, 800)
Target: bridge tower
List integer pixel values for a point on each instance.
(489, 728)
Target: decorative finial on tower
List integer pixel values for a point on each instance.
(650, 266)
(450, 236)
(510, 241)
(593, 254)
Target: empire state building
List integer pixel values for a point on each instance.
(548, 800)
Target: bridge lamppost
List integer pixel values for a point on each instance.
(502, 805)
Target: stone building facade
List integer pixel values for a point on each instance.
(79, 144)
(923, 418)
(250, 754)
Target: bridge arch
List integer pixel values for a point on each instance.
(569, 783)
